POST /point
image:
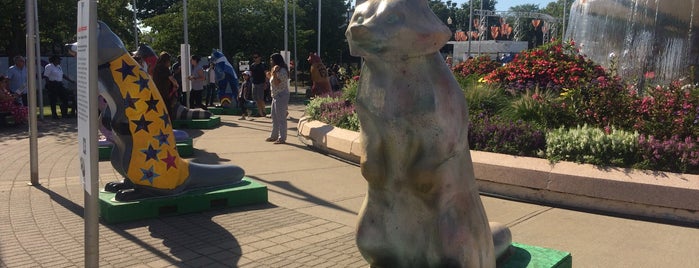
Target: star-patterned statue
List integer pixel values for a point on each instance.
(145, 152)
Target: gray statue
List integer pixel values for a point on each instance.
(422, 208)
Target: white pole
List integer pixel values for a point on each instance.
(296, 60)
(319, 14)
(38, 61)
(31, 66)
(184, 59)
(563, 31)
(135, 23)
(286, 26)
(220, 30)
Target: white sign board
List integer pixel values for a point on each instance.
(87, 132)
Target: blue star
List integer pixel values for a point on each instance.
(149, 175)
(141, 124)
(142, 83)
(151, 153)
(130, 102)
(126, 70)
(166, 119)
(162, 138)
(152, 104)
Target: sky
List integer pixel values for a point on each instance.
(504, 5)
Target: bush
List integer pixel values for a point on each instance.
(667, 111)
(494, 134)
(478, 66)
(609, 147)
(485, 99)
(333, 110)
(540, 107)
(553, 66)
(674, 154)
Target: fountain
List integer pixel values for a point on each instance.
(651, 38)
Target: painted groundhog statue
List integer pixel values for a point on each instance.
(422, 208)
(145, 151)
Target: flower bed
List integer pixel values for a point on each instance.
(553, 103)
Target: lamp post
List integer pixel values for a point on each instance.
(135, 23)
(220, 30)
(319, 14)
(470, 26)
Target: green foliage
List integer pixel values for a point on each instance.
(485, 99)
(539, 106)
(349, 91)
(499, 135)
(610, 147)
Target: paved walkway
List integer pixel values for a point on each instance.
(309, 221)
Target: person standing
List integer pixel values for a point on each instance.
(258, 71)
(245, 94)
(210, 84)
(54, 86)
(197, 79)
(279, 82)
(18, 79)
(166, 83)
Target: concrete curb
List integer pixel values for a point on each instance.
(657, 195)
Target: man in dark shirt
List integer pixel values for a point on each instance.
(259, 80)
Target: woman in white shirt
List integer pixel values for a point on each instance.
(279, 81)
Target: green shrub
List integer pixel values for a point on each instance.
(485, 99)
(497, 135)
(540, 107)
(349, 91)
(609, 147)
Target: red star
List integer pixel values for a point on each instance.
(170, 161)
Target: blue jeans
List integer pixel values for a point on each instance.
(280, 107)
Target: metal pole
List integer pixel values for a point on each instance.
(480, 38)
(185, 61)
(470, 26)
(286, 27)
(38, 61)
(135, 23)
(31, 66)
(92, 197)
(220, 29)
(296, 60)
(319, 15)
(563, 31)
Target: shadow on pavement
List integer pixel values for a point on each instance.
(306, 196)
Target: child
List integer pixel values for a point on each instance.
(245, 93)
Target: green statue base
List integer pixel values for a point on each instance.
(236, 111)
(208, 123)
(246, 192)
(520, 256)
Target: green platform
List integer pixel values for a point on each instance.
(209, 123)
(248, 192)
(236, 111)
(184, 148)
(536, 257)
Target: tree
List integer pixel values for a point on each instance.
(57, 20)
(150, 8)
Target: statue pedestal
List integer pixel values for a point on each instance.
(209, 123)
(532, 256)
(236, 110)
(247, 192)
(184, 148)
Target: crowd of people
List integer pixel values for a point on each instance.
(260, 84)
